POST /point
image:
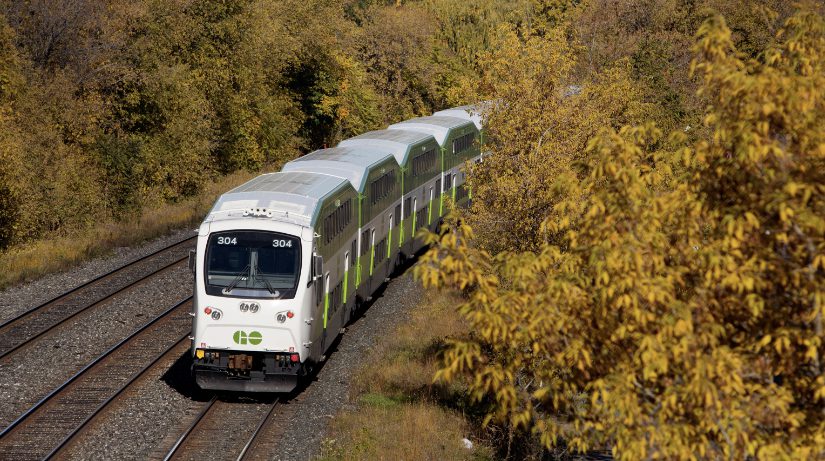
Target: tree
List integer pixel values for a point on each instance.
(538, 131)
(679, 314)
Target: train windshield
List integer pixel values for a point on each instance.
(252, 264)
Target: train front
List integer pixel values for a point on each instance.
(251, 304)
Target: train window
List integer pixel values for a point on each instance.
(423, 163)
(382, 187)
(408, 209)
(337, 221)
(365, 242)
(462, 143)
(448, 182)
(252, 264)
(352, 251)
(336, 296)
(438, 188)
(398, 213)
(381, 251)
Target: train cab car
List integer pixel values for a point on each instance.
(261, 305)
(376, 177)
(418, 156)
(458, 139)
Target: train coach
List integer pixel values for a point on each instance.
(284, 260)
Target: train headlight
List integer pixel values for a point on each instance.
(216, 314)
(244, 307)
(253, 307)
(282, 316)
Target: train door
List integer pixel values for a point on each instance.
(345, 312)
(326, 338)
(388, 250)
(430, 206)
(413, 225)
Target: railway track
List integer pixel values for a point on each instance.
(59, 416)
(221, 427)
(21, 330)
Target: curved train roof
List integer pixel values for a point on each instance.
(292, 196)
(437, 125)
(351, 163)
(397, 142)
(469, 112)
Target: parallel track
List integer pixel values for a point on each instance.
(207, 436)
(55, 417)
(258, 430)
(21, 330)
(104, 406)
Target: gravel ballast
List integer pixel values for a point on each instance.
(32, 372)
(17, 299)
(161, 406)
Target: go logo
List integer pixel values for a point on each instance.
(241, 337)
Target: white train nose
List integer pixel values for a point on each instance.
(248, 338)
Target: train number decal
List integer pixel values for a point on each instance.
(227, 240)
(277, 243)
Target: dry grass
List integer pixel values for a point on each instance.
(409, 356)
(399, 413)
(52, 255)
(413, 431)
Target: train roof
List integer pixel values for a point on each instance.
(470, 112)
(397, 142)
(439, 126)
(350, 163)
(288, 196)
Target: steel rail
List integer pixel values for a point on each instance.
(63, 386)
(191, 427)
(67, 440)
(30, 338)
(90, 282)
(255, 434)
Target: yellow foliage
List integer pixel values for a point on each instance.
(678, 312)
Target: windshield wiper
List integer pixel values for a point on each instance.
(237, 280)
(266, 282)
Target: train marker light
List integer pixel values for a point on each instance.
(294, 357)
(244, 307)
(253, 307)
(208, 310)
(290, 314)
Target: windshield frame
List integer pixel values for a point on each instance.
(255, 292)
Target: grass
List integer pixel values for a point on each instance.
(398, 412)
(46, 256)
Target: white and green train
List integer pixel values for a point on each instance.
(283, 261)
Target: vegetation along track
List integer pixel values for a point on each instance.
(222, 426)
(34, 323)
(57, 417)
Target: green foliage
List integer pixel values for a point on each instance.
(677, 314)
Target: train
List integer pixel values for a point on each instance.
(284, 261)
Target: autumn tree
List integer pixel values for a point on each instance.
(538, 131)
(678, 315)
